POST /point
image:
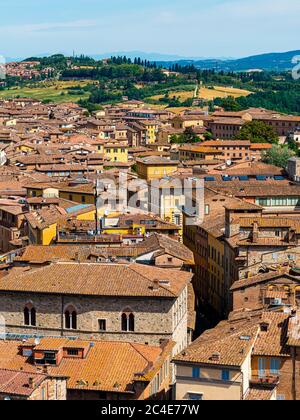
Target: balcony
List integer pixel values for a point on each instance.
(269, 381)
(241, 261)
(89, 239)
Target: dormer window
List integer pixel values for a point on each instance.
(264, 327)
(73, 352)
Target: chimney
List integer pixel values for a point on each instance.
(255, 232)
(291, 236)
(155, 284)
(216, 357)
(31, 383)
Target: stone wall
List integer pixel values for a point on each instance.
(153, 317)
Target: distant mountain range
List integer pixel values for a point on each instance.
(270, 61)
(152, 56)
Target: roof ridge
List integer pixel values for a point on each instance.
(139, 352)
(152, 281)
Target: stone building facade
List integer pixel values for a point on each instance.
(141, 319)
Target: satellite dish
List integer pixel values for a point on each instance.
(37, 341)
(228, 162)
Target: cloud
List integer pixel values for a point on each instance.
(187, 28)
(51, 26)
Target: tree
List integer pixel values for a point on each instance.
(189, 136)
(229, 103)
(258, 132)
(278, 156)
(207, 136)
(292, 145)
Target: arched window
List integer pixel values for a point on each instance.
(131, 322)
(67, 320)
(33, 317)
(128, 322)
(124, 322)
(70, 319)
(26, 316)
(29, 316)
(74, 320)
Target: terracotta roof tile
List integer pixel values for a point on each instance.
(99, 280)
(108, 366)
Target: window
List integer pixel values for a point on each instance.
(73, 352)
(71, 319)
(177, 219)
(274, 366)
(261, 367)
(128, 322)
(196, 373)
(195, 397)
(29, 316)
(102, 324)
(225, 375)
(83, 199)
(49, 358)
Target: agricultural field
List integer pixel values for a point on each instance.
(205, 93)
(49, 91)
(182, 95)
(221, 92)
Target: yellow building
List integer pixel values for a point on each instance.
(205, 240)
(27, 148)
(197, 152)
(43, 224)
(216, 275)
(183, 122)
(152, 130)
(138, 224)
(155, 168)
(42, 190)
(83, 194)
(114, 151)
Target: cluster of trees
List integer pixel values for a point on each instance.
(282, 101)
(286, 101)
(113, 71)
(175, 102)
(189, 136)
(258, 132)
(137, 61)
(278, 156)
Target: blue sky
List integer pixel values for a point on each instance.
(220, 28)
